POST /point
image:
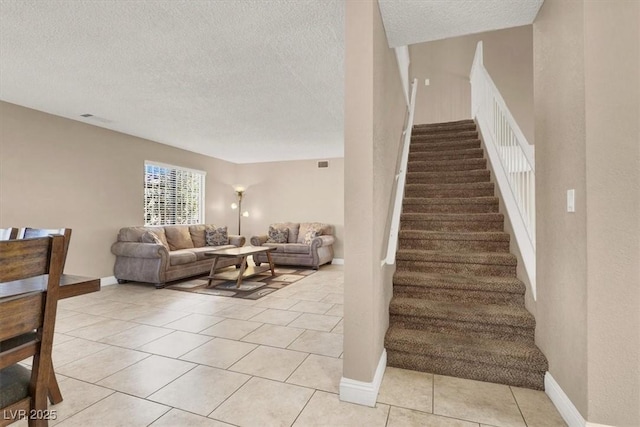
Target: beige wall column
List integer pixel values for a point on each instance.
(587, 111)
(374, 116)
(612, 82)
(360, 354)
(561, 247)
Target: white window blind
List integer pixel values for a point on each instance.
(173, 195)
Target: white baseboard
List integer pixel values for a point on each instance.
(565, 407)
(106, 281)
(567, 410)
(338, 261)
(361, 392)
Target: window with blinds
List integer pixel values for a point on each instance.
(173, 195)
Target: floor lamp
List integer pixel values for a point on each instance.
(238, 206)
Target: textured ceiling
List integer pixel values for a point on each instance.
(244, 81)
(241, 80)
(414, 21)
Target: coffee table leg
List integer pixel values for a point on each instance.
(213, 270)
(273, 271)
(242, 270)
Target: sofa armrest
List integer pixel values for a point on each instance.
(259, 240)
(322, 241)
(238, 241)
(139, 250)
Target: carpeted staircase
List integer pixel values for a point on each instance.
(457, 307)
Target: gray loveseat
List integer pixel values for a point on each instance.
(178, 252)
(300, 247)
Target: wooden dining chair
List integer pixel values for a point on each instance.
(8, 233)
(55, 395)
(23, 392)
(27, 232)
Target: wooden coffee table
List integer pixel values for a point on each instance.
(244, 271)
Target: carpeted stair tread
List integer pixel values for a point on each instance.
(482, 217)
(489, 236)
(467, 153)
(419, 147)
(463, 189)
(469, 312)
(446, 165)
(488, 258)
(450, 177)
(456, 186)
(459, 282)
(444, 136)
(443, 127)
(438, 221)
(469, 348)
(445, 124)
(503, 354)
(487, 200)
(458, 241)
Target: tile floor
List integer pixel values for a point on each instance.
(132, 355)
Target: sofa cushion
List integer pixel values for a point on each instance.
(181, 256)
(297, 248)
(279, 247)
(278, 235)
(197, 235)
(200, 252)
(293, 230)
(216, 236)
(178, 237)
(309, 226)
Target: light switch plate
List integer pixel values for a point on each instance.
(571, 200)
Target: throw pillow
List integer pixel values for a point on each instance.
(278, 235)
(217, 236)
(150, 237)
(178, 237)
(310, 235)
(197, 235)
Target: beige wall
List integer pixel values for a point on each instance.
(389, 112)
(612, 107)
(56, 172)
(587, 101)
(374, 115)
(560, 165)
(296, 191)
(508, 56)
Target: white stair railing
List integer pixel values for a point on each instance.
(401, 177)
(512, 160)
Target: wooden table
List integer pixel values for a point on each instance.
(245, 271)
(70, 286)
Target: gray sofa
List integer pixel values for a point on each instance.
(314, 252)
(177, 253)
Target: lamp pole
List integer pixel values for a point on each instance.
(239, 210)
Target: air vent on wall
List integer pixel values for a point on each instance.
(323, 164)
